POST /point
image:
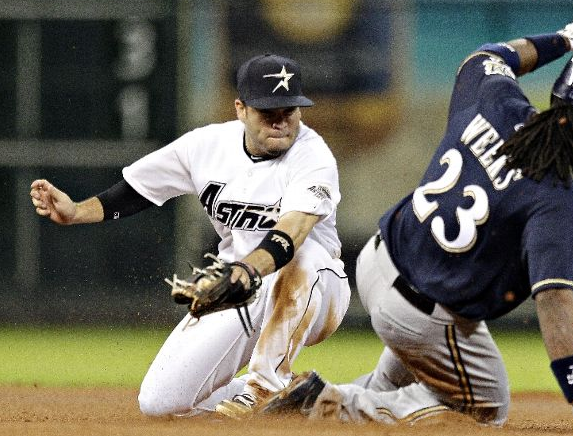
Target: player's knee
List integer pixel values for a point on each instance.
(501, 412)
(489, 414)
(150, 405)
(161, 400)
(501, 415)
(153, 403)
(502, 398)
(494, 416)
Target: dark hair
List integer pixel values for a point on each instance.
(543, 144)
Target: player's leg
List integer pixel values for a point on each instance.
(379, 395)
(331, 297)
(308, 301)
(388, 375)
(226, 392)
(352, 403)
(458, 368)
(456, 361)
(198, 358)
(455, 358)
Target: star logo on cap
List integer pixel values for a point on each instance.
(282, 75)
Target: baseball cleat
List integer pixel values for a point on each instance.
(299, 396)
(239, 407)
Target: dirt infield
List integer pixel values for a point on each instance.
(114, 412)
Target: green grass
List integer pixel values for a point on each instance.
(120, 356)
(77, 356)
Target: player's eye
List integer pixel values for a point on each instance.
(267, 114)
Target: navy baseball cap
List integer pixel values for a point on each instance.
(270, 82)
(563, 86)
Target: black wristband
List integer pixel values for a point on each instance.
(280, 246)
(563, 371)
(549, 46)
(122, 200)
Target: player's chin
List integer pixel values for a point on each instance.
(279, 145)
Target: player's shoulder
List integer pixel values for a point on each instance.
(310, 143)
(227, 128)
(211, 135)
(552, 191)
(486, 64)
(486, 81)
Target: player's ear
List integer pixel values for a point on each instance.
(241, 109)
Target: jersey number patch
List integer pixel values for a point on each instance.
(468, 219)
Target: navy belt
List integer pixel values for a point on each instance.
(416, 299)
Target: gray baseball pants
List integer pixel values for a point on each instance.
(431, 363)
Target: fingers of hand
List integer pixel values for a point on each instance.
(237, 274)
(39, 194)
(43, 211)
(40, 205)
(37, 201)
(39, 184)
(240, 274)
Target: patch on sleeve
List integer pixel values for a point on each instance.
(320, 192)
(494, 65)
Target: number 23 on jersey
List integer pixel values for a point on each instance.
(468, 219)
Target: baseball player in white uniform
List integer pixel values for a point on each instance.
(269, 185)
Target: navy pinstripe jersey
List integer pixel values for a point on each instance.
(475, 236)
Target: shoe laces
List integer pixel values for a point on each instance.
(245, 399)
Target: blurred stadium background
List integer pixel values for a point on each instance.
(86, 87)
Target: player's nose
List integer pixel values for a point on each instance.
(279, 122)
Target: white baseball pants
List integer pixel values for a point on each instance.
(301, 304)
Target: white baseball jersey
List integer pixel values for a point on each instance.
(243, 198)
(299, 305)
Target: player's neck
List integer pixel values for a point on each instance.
(255, 157)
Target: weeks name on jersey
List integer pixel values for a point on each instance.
(485, 142)
(238, 215)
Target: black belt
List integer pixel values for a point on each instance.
(377, 240)
(416, 299)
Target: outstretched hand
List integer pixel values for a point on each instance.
(567, 32)
(50, 202)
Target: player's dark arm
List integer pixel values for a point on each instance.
(555, 313)
(529, 53)
(280, 244)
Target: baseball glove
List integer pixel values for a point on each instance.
(210, 290)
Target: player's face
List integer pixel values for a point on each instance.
(269, 132)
